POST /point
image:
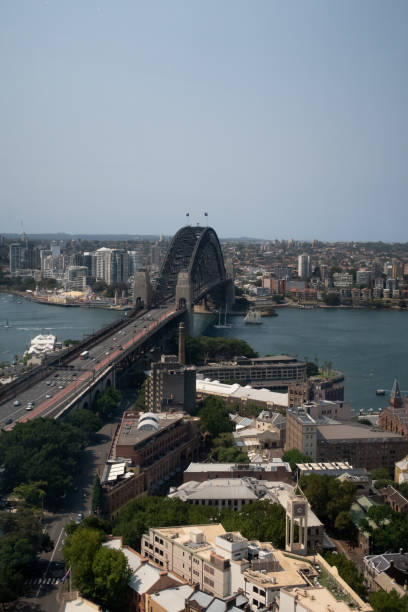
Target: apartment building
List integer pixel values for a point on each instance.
(235, 571)
(170, 386)
(147, 449)
(275, 371)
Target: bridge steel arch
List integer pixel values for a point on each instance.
(196, 253)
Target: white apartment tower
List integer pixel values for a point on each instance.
(304, 266)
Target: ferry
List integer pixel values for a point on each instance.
(253, 317)
(380, 392)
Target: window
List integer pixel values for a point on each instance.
(255, 589)
(208, 581)
(262, 593)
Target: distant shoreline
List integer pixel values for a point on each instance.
(39, 300)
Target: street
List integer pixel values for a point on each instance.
(44, 587)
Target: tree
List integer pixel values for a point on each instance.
(258, 520)
(111, 576)
(380, 473)
(294, 456)
(214, 416)
(85, 420)
(381, 515)
(22, 539)
(42, 450)
(79, 551)
(344, 525)
(389, 602)
(225, 450)
(311, 369)
(140, 403)
(328, 497)
(332, 299)
(32, 494)
(97, 496)
(11, 585)
(108, 402)
(138, 515)
(348, 571)
(201, 349)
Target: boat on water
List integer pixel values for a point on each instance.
(380, 392)
(253, 317)
(224, 325)
(7, 324)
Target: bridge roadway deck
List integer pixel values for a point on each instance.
(59, 389)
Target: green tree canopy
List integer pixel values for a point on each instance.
(202, 349)
(32, 494)
(214, 416)
(389, 602)
(111, 574)
(348, 571)
(79, 551)
(42, 450)
(138, 515)
(258, 520)
(225, 450)
(328, 496)
(108, 402)
(22, 539)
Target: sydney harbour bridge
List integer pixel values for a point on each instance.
(193, 271)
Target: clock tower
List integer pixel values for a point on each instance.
(296, 515)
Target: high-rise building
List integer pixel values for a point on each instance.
(112, 265)
(304, 266)
(16, 252)
(76, 278)
(171, 386)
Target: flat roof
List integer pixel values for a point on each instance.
(354, 432)
(130, 434)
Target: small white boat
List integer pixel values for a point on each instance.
(6, 324)
(253, 317)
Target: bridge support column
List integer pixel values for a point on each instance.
(184, 298)
(142, 289)
(229, 287)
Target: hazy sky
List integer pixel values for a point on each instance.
(280, 118)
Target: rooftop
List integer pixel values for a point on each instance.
(173, 599)
(349, 432)
(131, 434)
(270, 466)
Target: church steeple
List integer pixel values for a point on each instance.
(396, 399)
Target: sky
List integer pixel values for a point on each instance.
(280, 118)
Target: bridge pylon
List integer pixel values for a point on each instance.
(184, 298)
(142, 289)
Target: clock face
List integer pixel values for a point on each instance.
(299, 510)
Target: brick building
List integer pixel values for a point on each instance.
(273, 471)
(268, 372)
(317, 389)
(360, 445)
(147, 449)
(395, 417)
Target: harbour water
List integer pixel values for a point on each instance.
(369, 346)
(28, 319)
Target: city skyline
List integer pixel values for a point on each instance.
(279, 120)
